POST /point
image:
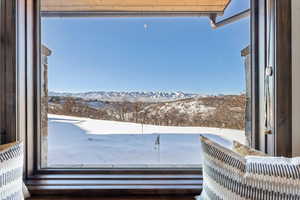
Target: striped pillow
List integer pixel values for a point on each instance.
(223, 170)
(273, 177)
(229, 175)
(11, 171)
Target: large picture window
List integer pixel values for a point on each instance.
(136, 92)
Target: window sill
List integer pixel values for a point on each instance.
(111, 185)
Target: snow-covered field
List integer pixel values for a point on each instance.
(84, 142)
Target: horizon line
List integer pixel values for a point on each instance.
(152, 91)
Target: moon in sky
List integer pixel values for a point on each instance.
(145, 26)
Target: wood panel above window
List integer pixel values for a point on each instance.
(201, 6)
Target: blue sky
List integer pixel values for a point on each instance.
(170, 54)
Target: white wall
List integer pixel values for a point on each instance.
(296, 76)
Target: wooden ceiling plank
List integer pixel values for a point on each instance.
(135, 5)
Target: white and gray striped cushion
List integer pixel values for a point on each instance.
(11, 169)
(274, 177)
(230, 176)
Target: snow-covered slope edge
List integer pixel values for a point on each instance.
(104, 127)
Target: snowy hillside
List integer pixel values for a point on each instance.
(128, 96)
(226, 111)
(84, 142)
(187, 107)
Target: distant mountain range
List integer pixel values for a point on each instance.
(128, 96)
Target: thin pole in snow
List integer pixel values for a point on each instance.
(157, 144)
